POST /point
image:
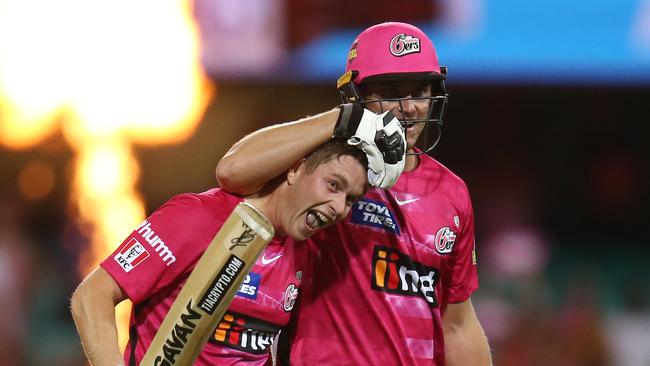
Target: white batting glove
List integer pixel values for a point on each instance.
(381, 137)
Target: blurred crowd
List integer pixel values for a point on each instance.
(37, 276)
(548, 303)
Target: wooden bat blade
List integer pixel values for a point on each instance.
(210, 288)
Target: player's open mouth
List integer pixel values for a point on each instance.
(316, 220)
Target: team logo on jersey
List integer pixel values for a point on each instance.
(245, 333)
(249, 287)
(290, 297)
(375, 214)
(403, 44)
(130, 254)
(397, 273)
(444, 240)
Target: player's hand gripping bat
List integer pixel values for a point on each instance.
(210, 288)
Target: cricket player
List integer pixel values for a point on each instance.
(391, 284)
(152, 264)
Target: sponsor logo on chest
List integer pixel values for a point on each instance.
(376, 214)
(245, 333)
(250, 286)
(398, 273)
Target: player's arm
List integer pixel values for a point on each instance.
(465, 340)
(93, 309)
(266, 153)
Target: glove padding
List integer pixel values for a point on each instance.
(381, 137)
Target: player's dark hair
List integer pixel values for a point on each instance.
(334, 149)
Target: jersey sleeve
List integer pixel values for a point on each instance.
(464, 276)
(160, 250)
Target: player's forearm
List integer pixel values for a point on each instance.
(467, 347)
(95, 321)
(267, 153)
(93, 310)
(465, 340)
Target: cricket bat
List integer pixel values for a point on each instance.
(210, 288)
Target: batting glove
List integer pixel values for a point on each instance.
(381, 137)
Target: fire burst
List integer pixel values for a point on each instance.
(109, 74)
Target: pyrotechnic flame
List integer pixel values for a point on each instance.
(109, 74)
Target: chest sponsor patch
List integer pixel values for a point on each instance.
(398, 273)
(245, 333)
(374, 213)
(250, 286)
(131, 254)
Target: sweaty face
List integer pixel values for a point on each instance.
(322, 197)
(408, 101)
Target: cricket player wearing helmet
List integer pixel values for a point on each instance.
(391, 284)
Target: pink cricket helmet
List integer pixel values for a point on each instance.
(395, 51)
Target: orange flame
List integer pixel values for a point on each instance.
(109, 74)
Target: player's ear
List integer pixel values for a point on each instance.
(295, 171)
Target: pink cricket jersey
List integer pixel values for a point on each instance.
(383, 277)
(152, 264)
